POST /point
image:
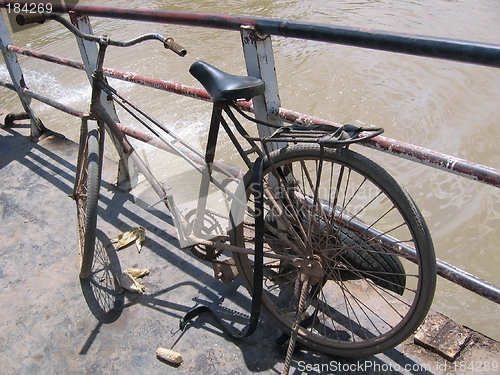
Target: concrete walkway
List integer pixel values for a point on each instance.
(53, 324)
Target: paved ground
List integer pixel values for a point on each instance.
(53, 324)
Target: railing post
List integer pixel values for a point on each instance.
(259, 59)
(89, 52)
(16, 75)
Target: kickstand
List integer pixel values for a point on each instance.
(296, 324)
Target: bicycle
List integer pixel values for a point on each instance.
(325, 240)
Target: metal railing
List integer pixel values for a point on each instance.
(258, 52)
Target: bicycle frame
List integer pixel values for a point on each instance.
(204, 164)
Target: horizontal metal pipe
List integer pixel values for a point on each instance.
(177, 88)
(53, 103)
(47, 57)
(8, 85)
(468, 281)
(458, 166)
(461, 167)
(45, 100)
(419, 45)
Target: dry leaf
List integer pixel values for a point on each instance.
(137, 235)
(128, 279)
(131, 284)
(137, 272)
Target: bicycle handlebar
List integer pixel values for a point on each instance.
(175, 47)
(168, 43)
(25, 19)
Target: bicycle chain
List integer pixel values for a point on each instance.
(206, 253)
(209, 255)
(201, 252)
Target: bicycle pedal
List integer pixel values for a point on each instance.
(225, 270)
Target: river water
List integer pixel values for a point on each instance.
(445, 106)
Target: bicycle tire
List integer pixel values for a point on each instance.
(348, 316)
(380, 265)
(86, 193)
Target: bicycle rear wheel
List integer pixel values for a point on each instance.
(343, 221)
(86, 192)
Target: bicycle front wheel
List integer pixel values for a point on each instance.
(86, 192)
(341, 220)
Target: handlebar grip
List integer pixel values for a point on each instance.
(25, 19)
(169, 43)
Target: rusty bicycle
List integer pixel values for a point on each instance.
(329, 245)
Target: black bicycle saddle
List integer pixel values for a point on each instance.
(224, 86)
